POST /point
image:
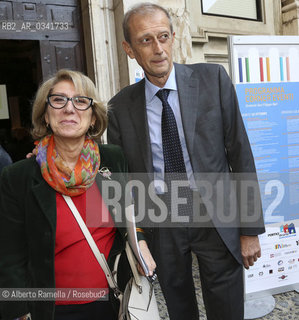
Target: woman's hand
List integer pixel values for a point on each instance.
(147, 256)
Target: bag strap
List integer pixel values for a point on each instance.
(99, 256)
(132, 262)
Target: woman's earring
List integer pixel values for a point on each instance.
(90, 129)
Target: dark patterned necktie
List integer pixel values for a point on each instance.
(174, 163)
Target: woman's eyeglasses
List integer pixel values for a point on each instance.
(59, 101)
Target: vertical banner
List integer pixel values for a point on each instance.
(265, 71)
(139, 75)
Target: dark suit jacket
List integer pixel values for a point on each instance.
(215, 135)
(27, 230)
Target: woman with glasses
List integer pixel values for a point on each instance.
(41, 244)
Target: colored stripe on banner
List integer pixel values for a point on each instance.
(240, 70)
(268, 69)
(261, 69)
(288, 68)
(247, 70)
(281, 68)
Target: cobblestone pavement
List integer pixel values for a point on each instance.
(286, 304)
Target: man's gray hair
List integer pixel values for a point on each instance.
(144, 8)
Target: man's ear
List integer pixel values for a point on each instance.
(128, 50)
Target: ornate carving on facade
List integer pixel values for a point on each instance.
(202, 35)
(290, 16)
(183, 41)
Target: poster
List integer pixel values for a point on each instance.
(3, 103)
(265, 71)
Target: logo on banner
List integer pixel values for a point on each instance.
(283, 277)
(281, 269)
(273, 234)
(266, 265)
(287, 230)
(281, 246)
(280, 262)
(272, 255)
(291, 261)
(290, 252)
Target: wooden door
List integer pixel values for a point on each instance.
(56, 55)
(55, 23)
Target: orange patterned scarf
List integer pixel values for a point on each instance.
(59, 176)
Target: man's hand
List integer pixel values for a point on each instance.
(31, 154)
(250, 250)
(151, 264)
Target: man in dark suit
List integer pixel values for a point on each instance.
(193, 125)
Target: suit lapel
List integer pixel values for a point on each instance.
(107, 195)
(137, 110)
(99, 181)
(188, 90)
(189, 98)
(46, 198)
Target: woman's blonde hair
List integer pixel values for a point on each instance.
(84, 86)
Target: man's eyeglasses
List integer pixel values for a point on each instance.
(58, 101)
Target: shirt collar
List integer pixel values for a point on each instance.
(151, 89)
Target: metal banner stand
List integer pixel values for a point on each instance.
(257, 308)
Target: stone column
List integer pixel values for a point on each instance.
(100, 44)
(290, 16)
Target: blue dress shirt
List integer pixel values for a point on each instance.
(154, 113)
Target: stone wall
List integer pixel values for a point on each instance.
(199, 37)
(290, 14)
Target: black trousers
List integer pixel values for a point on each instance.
(220, 273)
(87, 311)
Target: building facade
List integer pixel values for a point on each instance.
(38, 37)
